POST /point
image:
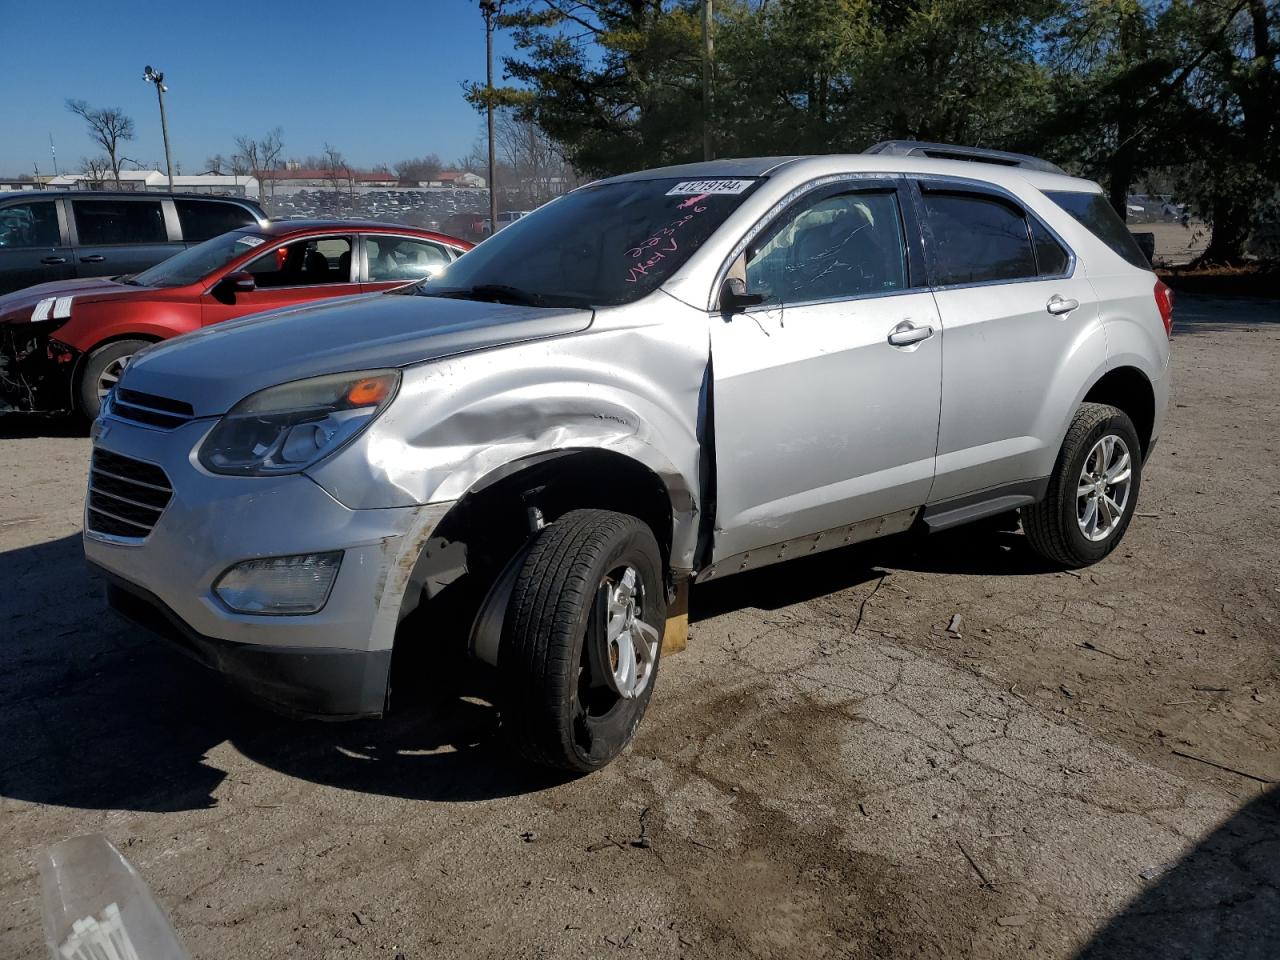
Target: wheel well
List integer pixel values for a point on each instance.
(495, 518)
(78, 367)
(1130, 390)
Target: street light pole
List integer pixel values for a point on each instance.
(152, 76)
(489, 8)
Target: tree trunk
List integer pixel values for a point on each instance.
(1230, 222)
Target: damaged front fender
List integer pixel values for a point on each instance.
(625, 387)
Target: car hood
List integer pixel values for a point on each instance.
(214, 368)
(17, 306)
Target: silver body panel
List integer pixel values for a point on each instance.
(824, 432)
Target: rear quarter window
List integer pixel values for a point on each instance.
(1095, 214)
(206, 219)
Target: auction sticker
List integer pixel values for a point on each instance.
(694, 187)
(251, 241)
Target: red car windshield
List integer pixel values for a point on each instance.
(195, 263)
(606, 244)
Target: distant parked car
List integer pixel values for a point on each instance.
(65, 235)
(63, 345)
(473, 226)
(508, 217)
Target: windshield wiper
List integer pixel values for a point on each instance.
(127, 278)
(497, 292)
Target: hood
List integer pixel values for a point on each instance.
(17, 306)
(214, 368)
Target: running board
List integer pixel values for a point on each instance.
(811, 543)
(987, 503)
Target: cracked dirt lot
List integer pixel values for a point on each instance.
(827, 771)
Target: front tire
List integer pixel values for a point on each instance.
(101, 370)
(1093, 490)
(581, 640)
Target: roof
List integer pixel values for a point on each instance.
(51, 194)
(284, 228)
(829, 164)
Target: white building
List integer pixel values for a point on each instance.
(156, 180)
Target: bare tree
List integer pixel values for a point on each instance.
(108, 126)
(418, 169)
(538, 170)
(96, 170)
(337, 171)
(260, 158)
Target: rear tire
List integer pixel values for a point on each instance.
(560, 708)
(1092, 492)
(101, 369)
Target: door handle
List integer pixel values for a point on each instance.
(52, 260)
(95, 258)
(1058, 305)
(907, 333)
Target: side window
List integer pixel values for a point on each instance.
(1051, 259)
(304, 263)
(846, 245)
(29, 225)
(119, 222)
(400, 258)
(975, 239)
(206, 219)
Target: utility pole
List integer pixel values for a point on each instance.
(490, 9)
(152, 76)
(53, 153)
(708, 60)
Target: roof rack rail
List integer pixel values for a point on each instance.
(949, 151)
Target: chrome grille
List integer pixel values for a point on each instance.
(149, 409)
(126, 496)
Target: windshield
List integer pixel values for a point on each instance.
(196, 263)
(599, 245)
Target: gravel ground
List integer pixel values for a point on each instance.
(826, 771)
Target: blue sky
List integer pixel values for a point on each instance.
(380, 82)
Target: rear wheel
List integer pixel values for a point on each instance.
(102, 368)
(582, 639)
(1093, 490)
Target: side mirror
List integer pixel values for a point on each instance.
(242, 281)
(734, 297)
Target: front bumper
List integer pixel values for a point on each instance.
(334, 662)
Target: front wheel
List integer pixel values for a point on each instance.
(1093, 490)
(102, 368)
(581, 640)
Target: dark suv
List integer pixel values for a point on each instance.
(62, 235)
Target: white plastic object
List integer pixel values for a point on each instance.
(97, 907)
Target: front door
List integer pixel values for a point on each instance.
(826, 396)
(313, 268)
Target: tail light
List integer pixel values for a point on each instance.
(1164, 303)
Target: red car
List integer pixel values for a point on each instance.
(64, 344)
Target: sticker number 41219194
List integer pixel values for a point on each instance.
(687, 187)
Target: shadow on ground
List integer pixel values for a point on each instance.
(25, 426)
(1220, 902)
(97, 714)
(1196, 313)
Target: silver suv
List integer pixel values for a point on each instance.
(656, 380)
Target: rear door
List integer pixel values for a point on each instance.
(391, 261)
(1017, 311)
(826, 396)
(311, 268)
(33, 244)
(115, 235)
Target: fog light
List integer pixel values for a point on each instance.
(280, 586)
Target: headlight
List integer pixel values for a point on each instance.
(287, 428)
